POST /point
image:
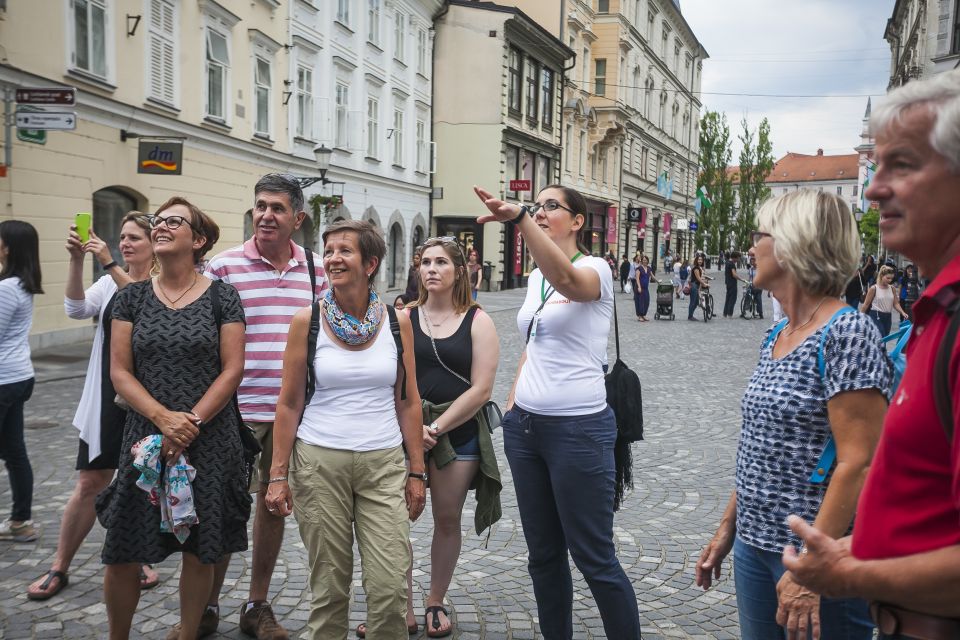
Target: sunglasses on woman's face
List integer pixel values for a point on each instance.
(450, 241)
(173, 222)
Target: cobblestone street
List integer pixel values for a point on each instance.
(693, 375)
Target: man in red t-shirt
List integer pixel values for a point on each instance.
(904, 556)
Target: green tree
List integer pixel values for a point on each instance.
(756, 163)
(870, 231)
(714, 223)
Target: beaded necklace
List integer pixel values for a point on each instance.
(348, 328)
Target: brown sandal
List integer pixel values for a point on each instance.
(51, 576)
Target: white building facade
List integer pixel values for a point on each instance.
(924, 38)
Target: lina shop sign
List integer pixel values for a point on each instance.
(163, 158)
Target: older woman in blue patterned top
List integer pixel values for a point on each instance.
(822, 377)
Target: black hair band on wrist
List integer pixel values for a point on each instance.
(110, 265)
(523, 211)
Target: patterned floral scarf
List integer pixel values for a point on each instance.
(348, 328)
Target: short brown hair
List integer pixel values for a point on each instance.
(462, 298)
(203, 225)
(370, 240)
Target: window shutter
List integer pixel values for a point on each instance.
(162, 76)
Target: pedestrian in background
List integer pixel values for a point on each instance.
(870, 271)
(806, 249)
(882, 300)
(475, 272)
(756, 291)
(909, 290)
(19, 282)
(338, 456)
(698, 280)
(684, 278)
(412, 291)
(177, 362)
(559, 432)
(624, 273)
(730, 279)
(853, 294)
(641, 288)
(98, 418)
(904, 556)
(275, 277)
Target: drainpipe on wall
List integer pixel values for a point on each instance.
(433, 75)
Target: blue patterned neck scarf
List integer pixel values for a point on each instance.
(348, 328)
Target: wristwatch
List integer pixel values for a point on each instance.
(434, 428)
(418, 476)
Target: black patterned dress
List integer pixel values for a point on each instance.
(176, 357)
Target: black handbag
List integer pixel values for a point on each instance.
(624, 395)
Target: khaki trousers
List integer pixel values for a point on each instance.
(337, 493)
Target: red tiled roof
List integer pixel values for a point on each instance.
(799, 167)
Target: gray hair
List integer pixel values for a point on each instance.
(940, 94)
(815, 239)
(282, 183)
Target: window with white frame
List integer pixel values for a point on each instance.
(600, 77)
(547, 106)
(399, 35)
(583, 152)
(262, 85)
(514, 91)
(398, 137)
(342, 100)
(162, 38)
(304, 102)
(373, 127)
(343, 12)
(663, 41)
(422, 51)
(218, 66)
(651, 21)
(422, 146)
(533, 75)
(90, 36)
(373, 21)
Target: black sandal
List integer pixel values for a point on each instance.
(46, 595)
(433, 622)
(145, 582)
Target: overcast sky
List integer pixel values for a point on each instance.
(814, 47)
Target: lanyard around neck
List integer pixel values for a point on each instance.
(543, 283)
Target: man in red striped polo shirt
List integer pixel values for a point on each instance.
(274, 278)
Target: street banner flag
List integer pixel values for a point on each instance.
(697, 205)
(864, 202)
(703, 199)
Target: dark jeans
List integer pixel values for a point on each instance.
(13, 450)
(758, 301)
(730, 301)
(563, 473)
(853, 301)
(694, 299)
(884, 321)
(756, 573)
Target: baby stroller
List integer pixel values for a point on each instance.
(664, 302)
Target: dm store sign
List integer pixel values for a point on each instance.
(164, 158)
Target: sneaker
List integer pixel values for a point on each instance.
(18, 531)
(209, 622)
(258, 621)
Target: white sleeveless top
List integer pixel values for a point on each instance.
(882, 300)
(353, 407)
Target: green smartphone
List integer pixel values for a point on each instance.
(82, 220)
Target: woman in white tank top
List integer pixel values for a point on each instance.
(345, 455)
(881, 299)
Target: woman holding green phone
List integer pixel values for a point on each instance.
(98, 419)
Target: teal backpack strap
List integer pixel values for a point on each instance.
(829, 454)
(776, 330)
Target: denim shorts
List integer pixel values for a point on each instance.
(469, 450)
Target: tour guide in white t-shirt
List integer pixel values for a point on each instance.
(559, 432)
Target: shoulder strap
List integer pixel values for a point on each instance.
(539, 309)
(821, 361)
(616, 328)
(313, 274)
(942, 382)
(215, 302)
(776, 331)
(312, 351)
(398, 339)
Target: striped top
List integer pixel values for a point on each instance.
(270, 299)
(16, 316)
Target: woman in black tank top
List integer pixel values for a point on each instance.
(457, 351)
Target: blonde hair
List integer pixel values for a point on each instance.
(885, 270)
(462, 299)
(815, 239)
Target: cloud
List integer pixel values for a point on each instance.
(811, 48)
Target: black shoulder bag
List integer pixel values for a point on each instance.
(942, 383)
(625, 397)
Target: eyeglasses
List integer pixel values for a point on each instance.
(757, 236)
(173, 222)
(447, 240)
(549, 205)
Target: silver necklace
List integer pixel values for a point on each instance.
(426, 317)
(809, 320)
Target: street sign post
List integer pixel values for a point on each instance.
(47, 96)
(36, 136)
(60, 120)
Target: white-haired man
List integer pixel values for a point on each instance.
(904, 555)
